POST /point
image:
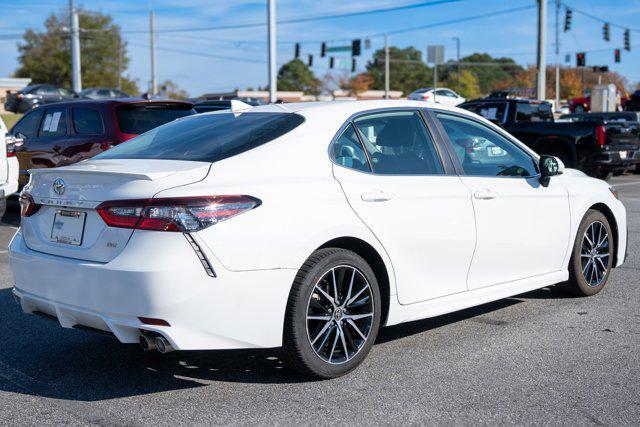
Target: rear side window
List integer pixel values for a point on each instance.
(137, 119)
(494, 111)
(29, 125)
(399, 143)
(87, 121)
(207, 138)
(533, 112)
(347, 151)
(54, 123)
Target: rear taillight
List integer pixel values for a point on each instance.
(27, 205)
(425, 97)
(601, 135)
(105, 146)
(183, 214)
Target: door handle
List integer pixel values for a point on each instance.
(377, 196)
(485, 194)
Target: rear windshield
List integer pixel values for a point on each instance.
(206, 138)
(137, 119)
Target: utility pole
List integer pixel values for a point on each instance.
(557, 54)
(152, 31)
(75, 49)
(542, 50)
(457, 39)
(386, 67)
(271, 17)
(119, 53)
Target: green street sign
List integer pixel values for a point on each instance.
(339, 49)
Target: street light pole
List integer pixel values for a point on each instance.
(75, 49)
(558, 54)
(271, 16)
(152, 31)
(457, 39)
(542, 50)
(386, 67)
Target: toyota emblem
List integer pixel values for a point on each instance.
(59, 186)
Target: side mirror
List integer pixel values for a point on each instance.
(549, 166)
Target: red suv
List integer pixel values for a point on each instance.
(68, 132)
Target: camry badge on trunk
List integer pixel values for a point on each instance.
(59, 186)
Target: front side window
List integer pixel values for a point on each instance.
(207, 137)
(484, 152)
(54, 123)
(399, 143)
(28, 127)
(347, 151)
(87, 121)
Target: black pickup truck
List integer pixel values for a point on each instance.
(599, 148)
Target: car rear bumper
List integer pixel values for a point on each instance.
(613, 159)
(232, 310)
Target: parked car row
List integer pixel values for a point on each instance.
(40, 94)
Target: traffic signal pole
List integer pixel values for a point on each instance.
(542, 50)
(271, 16)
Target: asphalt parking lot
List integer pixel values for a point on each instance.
(536, 358)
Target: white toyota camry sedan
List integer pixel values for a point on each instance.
(306, 226)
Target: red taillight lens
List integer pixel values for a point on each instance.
(105, 146)
(425, 97)
(601, 135)
(184, 214)
(27, 206)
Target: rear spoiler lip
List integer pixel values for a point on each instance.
(149, 176)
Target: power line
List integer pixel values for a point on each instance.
(299, 19)
(599, 19)
(206, 55)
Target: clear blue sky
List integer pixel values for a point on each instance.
(511, 34)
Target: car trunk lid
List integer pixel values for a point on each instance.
(67, 223)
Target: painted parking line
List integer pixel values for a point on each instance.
(624, 184)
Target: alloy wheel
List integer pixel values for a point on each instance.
(340, 314)
(595, 253)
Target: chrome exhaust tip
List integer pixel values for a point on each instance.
(147, 342)
(163, 345)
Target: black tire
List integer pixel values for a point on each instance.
(584, 280)
(307, 298)
(604, 174)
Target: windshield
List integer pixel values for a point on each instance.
(207, 137)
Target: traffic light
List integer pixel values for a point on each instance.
(356, 47)
(627, 40)
(353, 65)
(323, 50)
(297, 54)
(331, 61)
(616, 55)
(605, 32)
(310, 61)
(581, 59)
(567, 20)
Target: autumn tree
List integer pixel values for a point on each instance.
(469, 85)
(45, 56)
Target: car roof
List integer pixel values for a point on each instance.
(120, 101)
(350, 107)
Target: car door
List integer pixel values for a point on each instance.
(26, 130)
(522, 226)
(411, 199)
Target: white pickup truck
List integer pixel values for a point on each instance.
(8, 167)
